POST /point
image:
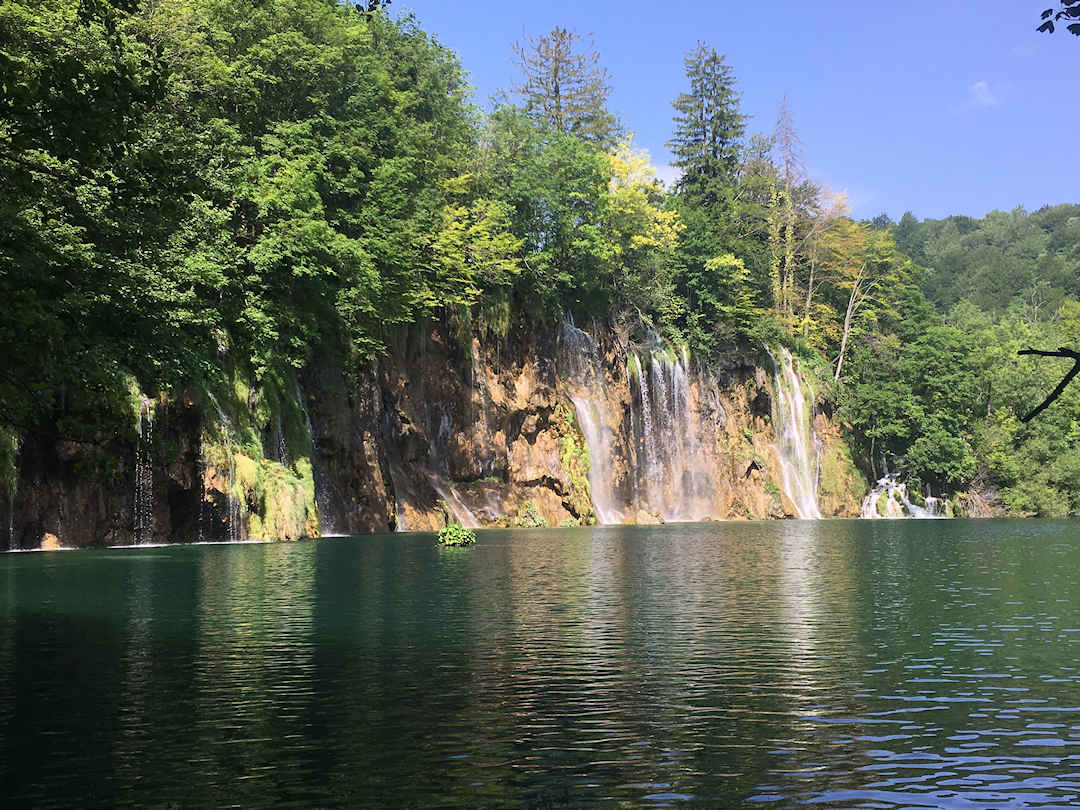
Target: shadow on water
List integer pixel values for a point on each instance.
(839, 663)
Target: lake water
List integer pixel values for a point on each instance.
(839, 663)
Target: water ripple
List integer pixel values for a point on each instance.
(837, 664)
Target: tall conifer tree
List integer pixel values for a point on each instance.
(708, 126)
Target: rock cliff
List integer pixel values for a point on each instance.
(544, 427)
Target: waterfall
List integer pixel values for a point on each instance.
(677, 481)
(794, 428)
(653, 472)
(202, 496)
(583, 368)
(665, 443)
(459, 510)
(144, 474)
(889, 499)
(281, 444)
(235, 516)
(318, 479)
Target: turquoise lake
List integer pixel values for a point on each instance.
(835, 663)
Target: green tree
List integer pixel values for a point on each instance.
(709, 128)
(564, 87)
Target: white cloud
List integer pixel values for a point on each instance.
(981, 95)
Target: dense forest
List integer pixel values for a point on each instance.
(196, 189)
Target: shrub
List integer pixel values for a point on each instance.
(456, 535)
(529, 517)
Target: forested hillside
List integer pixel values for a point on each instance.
(199, 192)
(938, 383)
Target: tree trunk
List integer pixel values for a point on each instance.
(809, 295)
(853, 304)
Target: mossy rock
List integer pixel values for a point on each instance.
(576, 463)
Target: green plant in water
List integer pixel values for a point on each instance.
(455, 536)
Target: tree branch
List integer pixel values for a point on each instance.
(1068, 378)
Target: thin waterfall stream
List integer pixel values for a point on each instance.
(796, 443)
(318, 476)
(144, 474)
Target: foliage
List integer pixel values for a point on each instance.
(1070, 10)
(201, 197)
(708, 127)
(529, 517)
(455, 535)
(940, 394)
(564, 87)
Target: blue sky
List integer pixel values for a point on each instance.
(933, 107)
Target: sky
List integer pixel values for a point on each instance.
(936, 107)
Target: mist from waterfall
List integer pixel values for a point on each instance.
(797, 446)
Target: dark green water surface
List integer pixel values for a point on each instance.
(845, 664)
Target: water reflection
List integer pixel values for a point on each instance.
(832, 663)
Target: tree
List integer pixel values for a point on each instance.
(556, 188)
(828, 208)
(641, 234)
(1061, 386)
(708, 127)
(789, 147)
(1070, 10)
(864, 264)
(564, 86)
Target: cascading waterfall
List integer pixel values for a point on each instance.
(443, 434)
(144, 474)
(202, 497)
(797, 445)
(462, 514)
(667, 476)
(582, 364)
(677, 482)
(282, 444)
(652, 468)
(889, 499)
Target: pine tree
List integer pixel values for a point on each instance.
(565, 87)
(708, 126)
(789, 147)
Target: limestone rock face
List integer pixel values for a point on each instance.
(550, 426)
